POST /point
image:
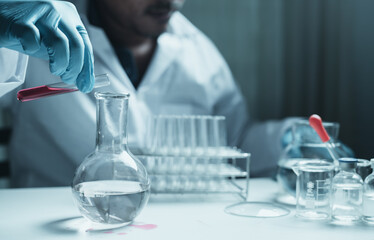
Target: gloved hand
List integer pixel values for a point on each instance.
(52, 31)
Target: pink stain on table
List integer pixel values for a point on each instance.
(145, 226)
(108, 232)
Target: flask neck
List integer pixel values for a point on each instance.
(111, 114)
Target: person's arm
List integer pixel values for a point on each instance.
(51, 30)
(264, 141)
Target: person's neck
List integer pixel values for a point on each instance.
(121, 36)
(141, 47)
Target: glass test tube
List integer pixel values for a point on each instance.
(34, 93)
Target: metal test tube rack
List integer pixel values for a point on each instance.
(215, 171)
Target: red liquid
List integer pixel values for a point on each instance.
(29, 94)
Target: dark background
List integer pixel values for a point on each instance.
(298, 57)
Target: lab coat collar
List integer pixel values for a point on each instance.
(168, 46)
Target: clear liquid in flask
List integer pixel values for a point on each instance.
(111, 201)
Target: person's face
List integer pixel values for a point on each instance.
(145, 17)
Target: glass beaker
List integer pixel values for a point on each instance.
(111, 186)
(305, 145)
(256, 209)
(313, 189)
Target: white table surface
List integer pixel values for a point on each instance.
(50, 213)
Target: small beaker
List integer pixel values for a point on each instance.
(313, 189)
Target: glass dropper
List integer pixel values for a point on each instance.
(29, 94)
(315, 122)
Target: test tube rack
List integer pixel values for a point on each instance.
(215, 171)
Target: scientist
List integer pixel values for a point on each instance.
(148, 48)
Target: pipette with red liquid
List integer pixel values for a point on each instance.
(34, 93)
(315, 122)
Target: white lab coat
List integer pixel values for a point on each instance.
(187, 75)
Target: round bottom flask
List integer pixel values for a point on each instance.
(111, 186)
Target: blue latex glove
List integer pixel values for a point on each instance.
(52, 31)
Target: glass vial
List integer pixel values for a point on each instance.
(347, 190)
(368, 202)
(111, 186)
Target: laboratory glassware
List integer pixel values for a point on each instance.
(186, 135)
(220, 174)
(187, 149)
(34, 93)
(347, 191)
(368, 200)
(363, 168)
(315, 122)
(313, 189)
(305, 145)
(189, 154)
(111, 186)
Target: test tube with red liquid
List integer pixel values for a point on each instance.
(34, 93)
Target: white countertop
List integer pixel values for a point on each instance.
(50, 213)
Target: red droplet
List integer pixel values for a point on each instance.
(145, 226)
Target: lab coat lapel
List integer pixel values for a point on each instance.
(168, 46)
